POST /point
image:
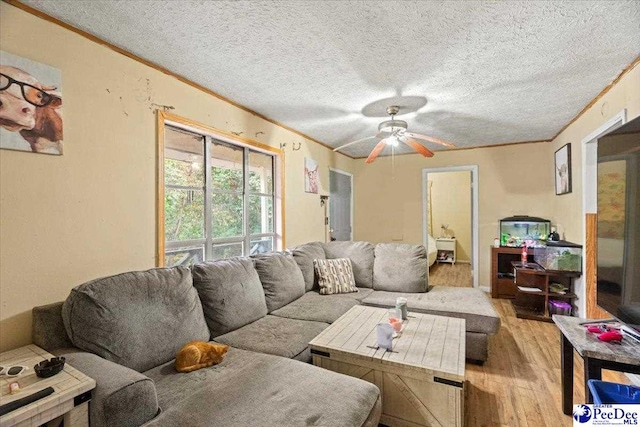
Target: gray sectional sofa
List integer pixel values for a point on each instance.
(125, 330)
(385, 272)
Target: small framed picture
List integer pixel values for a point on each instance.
(311, 179)
(563, 170)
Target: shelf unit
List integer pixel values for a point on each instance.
(502, 274)
(535, 305)
(446, 247)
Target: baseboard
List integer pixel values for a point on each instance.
(486, 289)
(463, 261)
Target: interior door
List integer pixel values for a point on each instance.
(340, 191)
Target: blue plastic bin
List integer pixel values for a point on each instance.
(605, 392)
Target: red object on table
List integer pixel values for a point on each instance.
(523, 256)
(395, 324)
(611, 336)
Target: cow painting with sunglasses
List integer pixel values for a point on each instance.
(30, 108)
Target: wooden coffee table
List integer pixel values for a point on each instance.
(421, 382)
(70, 399)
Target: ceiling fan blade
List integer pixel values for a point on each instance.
(376, 151)
(352, 142)
(417, 146)
(431, 139)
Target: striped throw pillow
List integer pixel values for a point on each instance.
(335, 276)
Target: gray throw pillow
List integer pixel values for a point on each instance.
(281, 278)
(304, 256)
(400, 268)
(138, 319)
(361, 256)
(231, 294)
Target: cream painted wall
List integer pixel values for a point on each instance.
(568, 208)
(91, 212)
(513, 180)
(625, 94)
(451, 205)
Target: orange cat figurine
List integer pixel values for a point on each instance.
(199, 354)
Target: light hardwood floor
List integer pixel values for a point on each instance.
(458, 275)
(520, 383)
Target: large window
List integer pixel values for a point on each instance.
(219, 198)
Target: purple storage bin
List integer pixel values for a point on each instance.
(559, 307)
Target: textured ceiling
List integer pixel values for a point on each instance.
(492, 72)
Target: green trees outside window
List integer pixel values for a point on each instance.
(227, 212)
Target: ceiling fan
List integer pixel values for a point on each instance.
(393, 132)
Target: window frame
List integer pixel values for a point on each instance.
(248, 146)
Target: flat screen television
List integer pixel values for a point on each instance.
(618, 276)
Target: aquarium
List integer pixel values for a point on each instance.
(559, 256)
(516, 230)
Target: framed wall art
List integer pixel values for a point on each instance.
(31, 100)
(311, 179)
(563, 170)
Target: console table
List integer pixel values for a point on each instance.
(597, 355)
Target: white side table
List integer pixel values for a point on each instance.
(446, 250)
(69, 401)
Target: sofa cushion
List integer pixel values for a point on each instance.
(470, 304)
(253, 389)
(358, 296)
(275, 335)
(318, 308)
(361, 256)
(304, 256)
(400, 268)
(335, 276)
(138, 319)
(281, 278)
(231, 293)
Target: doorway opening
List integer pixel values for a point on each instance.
(450, 225)
(340, 205)
(585, 286)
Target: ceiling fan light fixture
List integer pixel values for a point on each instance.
(391, 126)
(392, 132)
(393, 141)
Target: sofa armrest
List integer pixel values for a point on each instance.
(122, 397)
(48, 330)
